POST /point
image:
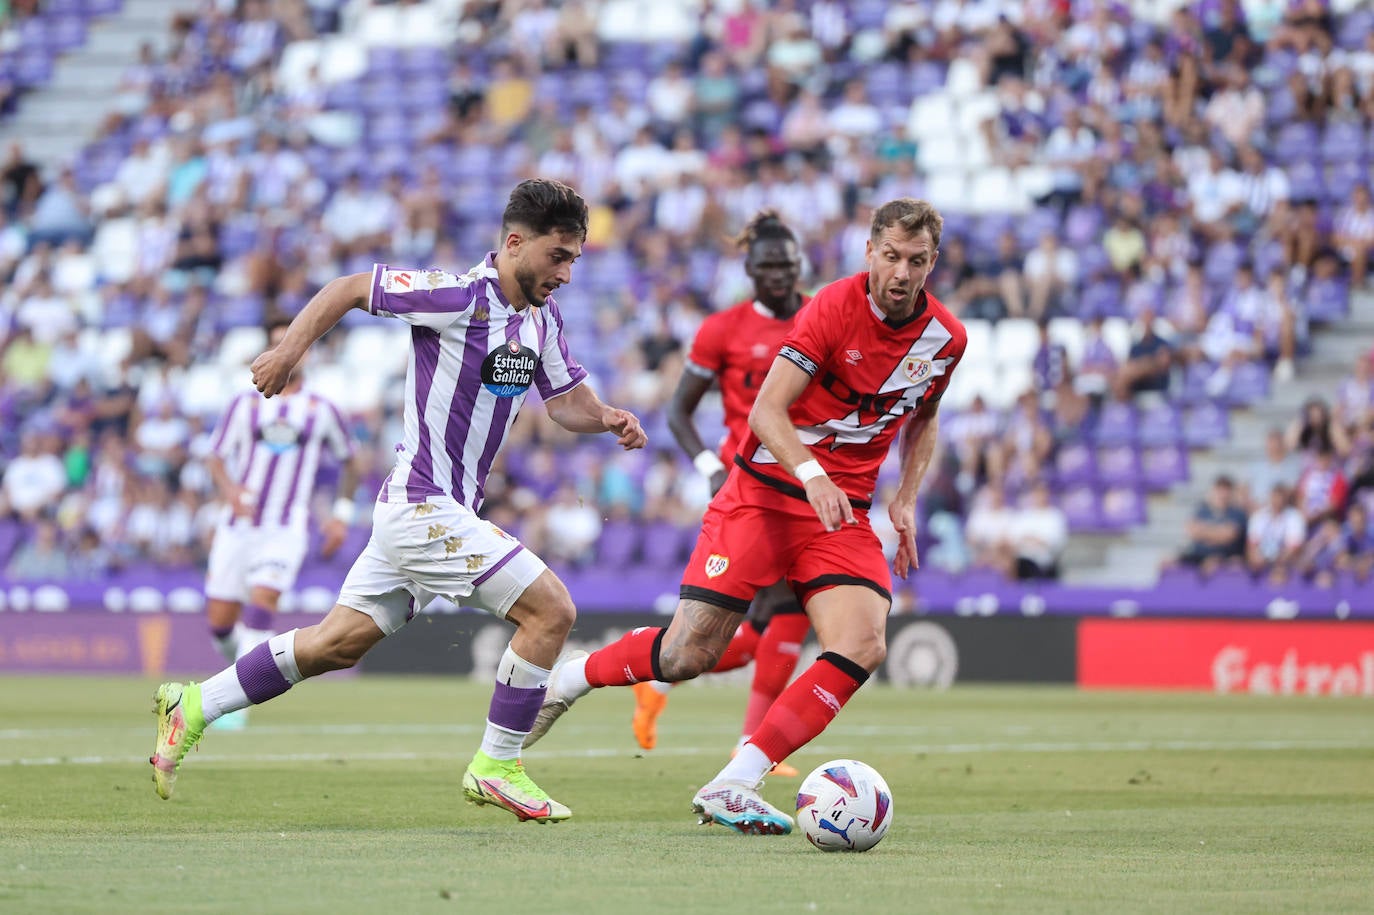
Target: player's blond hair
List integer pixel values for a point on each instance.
(911, 215)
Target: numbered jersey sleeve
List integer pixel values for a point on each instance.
(427, 298)
(558, 371)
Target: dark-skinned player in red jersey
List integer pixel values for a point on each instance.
(734, 349)
(870, 355)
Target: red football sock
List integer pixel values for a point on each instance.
(807, 706)
(632, 659)
(740, 651)
(774, 661)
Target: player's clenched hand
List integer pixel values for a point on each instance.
(831, 504)
(272, 369)
(334, 531)
(903, 515)
(629, 434)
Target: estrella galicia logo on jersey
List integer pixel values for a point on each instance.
(279, 437)
(508, 371)
(716, 565)
(916, 369)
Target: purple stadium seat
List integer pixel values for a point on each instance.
(1160, 424)
(345, 96)
(1116, 424)
(1083, 224)
(1205, 424)
(1122, 507)
(1305, 180)
(1101, 298)
(1343, 177)
(33, 68)
(64, 8)
(1119, 466)
(1352, 28)
(384, 62)
(1075, 464)
(925, 77)
(66, 33)
(1220, 262)
(1295, 142)
(1081, 507)
(426, 60)
(1036, 223)
(1164, 466)
(1343, 141)
(1249, 383)
(1179, 577)
(618, 546)
(103, 7)
(239, 311)
(665, 545)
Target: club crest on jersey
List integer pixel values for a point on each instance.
(716, 565)
(916, 369)
(508, 371)
(279, 437)
(759, 351)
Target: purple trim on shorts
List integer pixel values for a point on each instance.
(496, 568)
(221, 632)
(500, 415)
(259, 675)
(425, 344)
(300, 462)
(464, 401)
(514, 708)
(258, 617)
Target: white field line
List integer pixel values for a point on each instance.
(1094, 746)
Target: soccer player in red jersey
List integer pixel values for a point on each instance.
(734, 349)
(872, 354)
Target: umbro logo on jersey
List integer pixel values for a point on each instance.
(716, 565)
(852, 356)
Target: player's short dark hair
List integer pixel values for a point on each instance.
(911, 215)
(281, 321)
(766, 225)
(545, 206)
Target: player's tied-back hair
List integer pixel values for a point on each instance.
(545, 206)
(911, 216)
(766, 225)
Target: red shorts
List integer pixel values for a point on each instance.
(753, 535)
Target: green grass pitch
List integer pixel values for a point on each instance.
(343, 796)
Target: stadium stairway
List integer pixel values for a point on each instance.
(1132, 559)
(54, 122)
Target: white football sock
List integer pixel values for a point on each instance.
(660, 687)
(572, 680)
(749, 766)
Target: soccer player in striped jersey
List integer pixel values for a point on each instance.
(265, 456)
(479, 341)
(733, 349)
(870, 355)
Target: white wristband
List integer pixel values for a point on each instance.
(708, 464)
(345, 510)
(808, 470)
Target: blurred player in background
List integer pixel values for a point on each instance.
(869, 353)
(734, 349)
(265, 458)
(479, 341)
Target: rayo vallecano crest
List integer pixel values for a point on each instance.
(916, 369)
(716, 565)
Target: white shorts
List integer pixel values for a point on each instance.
(436, 549)
(243, 557)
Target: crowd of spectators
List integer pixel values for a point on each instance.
(1146, 179)
(1302, 511)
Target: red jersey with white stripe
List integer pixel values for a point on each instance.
(867, 376)
(736, 347)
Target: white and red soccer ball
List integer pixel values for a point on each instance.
(844, 805)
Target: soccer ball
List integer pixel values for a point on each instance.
(844, 805)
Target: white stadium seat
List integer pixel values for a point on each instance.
(1014, 342)
(931, 116)
(947, 189)
(1012, 382)
(1116, 333)
(381, 349)
(1068, 333)
(205, 389)
(963, 78)
(241, 345)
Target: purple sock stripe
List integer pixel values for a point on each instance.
(259, 676)
(220, 632)
(257, 617)
(515, 709)
(496, 568)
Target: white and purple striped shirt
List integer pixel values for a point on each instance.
(473, 358)
(272, 448)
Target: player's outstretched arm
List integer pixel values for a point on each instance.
(273, 368)
(772, 424)
(691, 387)
(918, 444)
(580, 410)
